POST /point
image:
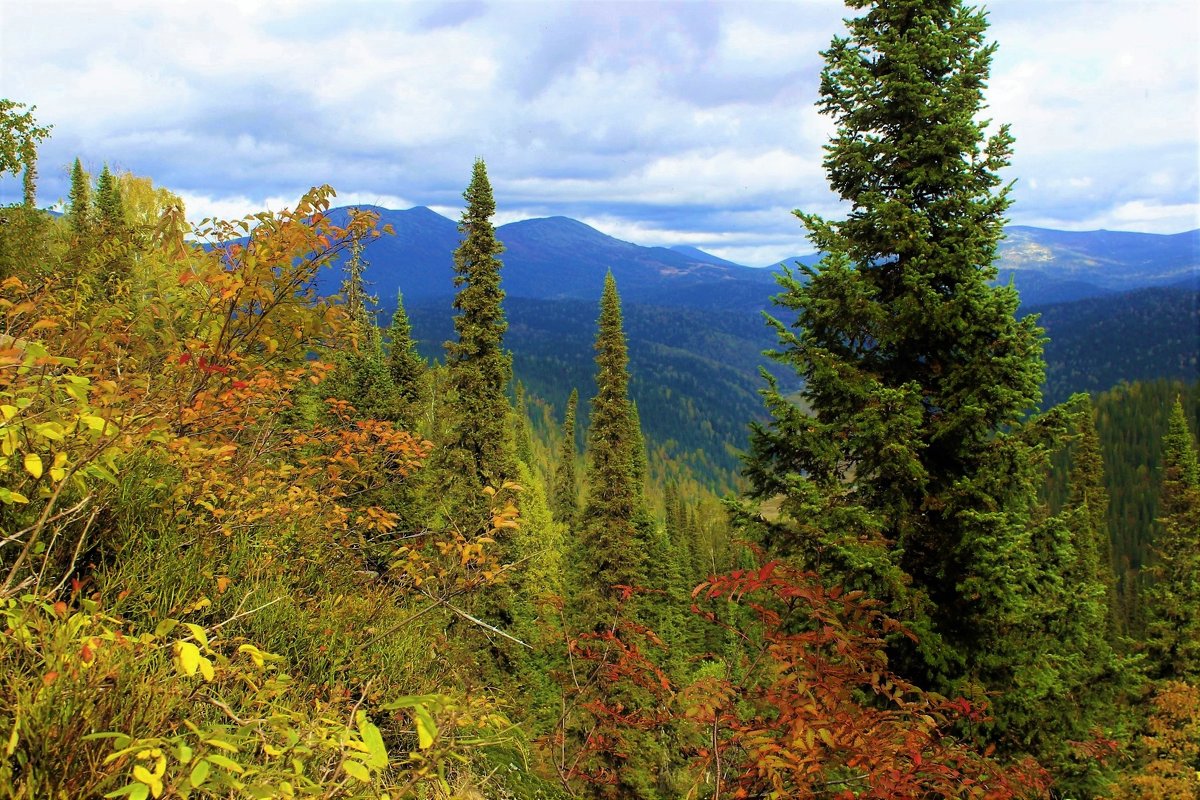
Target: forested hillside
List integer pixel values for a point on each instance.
(259, 539)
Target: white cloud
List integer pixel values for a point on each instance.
(686, 119)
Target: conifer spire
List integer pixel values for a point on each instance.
(405, 365)
(109, 210)
(479, 367)
(565, 497)
(1173, 601)
(80, 210)
(612, 550)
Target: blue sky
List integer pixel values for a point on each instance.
(660, 123)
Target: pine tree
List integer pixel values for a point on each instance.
(564, 501)
(406, 367)
(611, 548)
(80, 210)
(109, 209)
(480, 368)
(1173, 601)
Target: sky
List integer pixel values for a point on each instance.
(678, 123)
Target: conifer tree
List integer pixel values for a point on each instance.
(1089, 497)
(522, 435)
(80, 211)
(565, 497)
(914, 365)
(909, 470)
(479, 367)
(1173, 601)
(109, 209)
(612, 548)
(406, 367)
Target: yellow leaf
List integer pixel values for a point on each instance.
(426, 727)
(142, 774)
(206, 669)
(8, 411)
(33, 464)
(187, 656)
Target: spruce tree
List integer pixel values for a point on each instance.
(109, 210)
(612, 549)
(1173, 600)
(564, 500)
(522, 435)
(479, 367)
(80, 211)
(909, 469)
(406, 367)
(1089, 497)
(914, 365)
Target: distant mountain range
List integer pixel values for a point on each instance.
(557, 258)
(1116, 306)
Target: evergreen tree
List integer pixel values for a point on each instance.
(522, 436)
(611, 549)
(109, 209)
(1173, 601)
(1089, 496)
(80, 210)
(407, 368)
(913, 364)
(565, 497)
(480, 368)
(909, 470)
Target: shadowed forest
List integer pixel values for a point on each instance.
(254, 543)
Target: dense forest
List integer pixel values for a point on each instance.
(255, 544)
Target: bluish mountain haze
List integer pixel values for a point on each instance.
(1117, 306)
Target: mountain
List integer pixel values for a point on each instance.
(1141, 335)
(1116, 306)
(1050, 266)
(554, 258)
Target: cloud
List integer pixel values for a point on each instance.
(654, 120)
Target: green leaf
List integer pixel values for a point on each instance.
(225, 763)
(373, 740)
(135, 791)
(357, 770)
(199, 774)
(165, 627)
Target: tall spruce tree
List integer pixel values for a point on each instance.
(479, 367)
(909, 470)
(80, 211)
(612, 547)
(1173, 601)
(564, 499)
